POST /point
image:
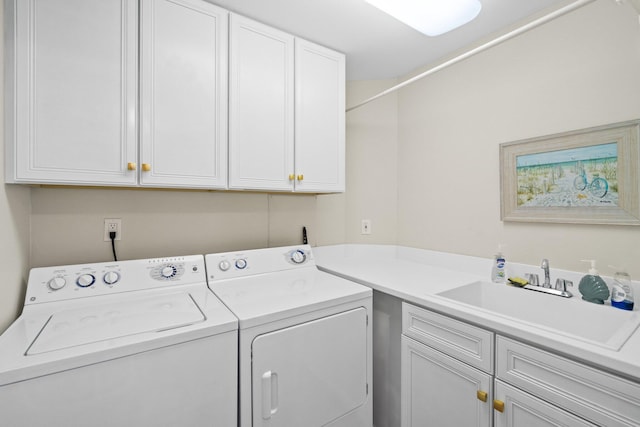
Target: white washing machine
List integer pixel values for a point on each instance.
(129, 343)
(305, 338)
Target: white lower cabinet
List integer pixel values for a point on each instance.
(522, 409)
(596, 396)
(448, 380)
(438, 390)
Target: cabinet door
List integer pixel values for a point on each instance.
(438, 390)
(522, 409)
(71, 91)
(183, 103)
(320, 118)
(260, 106)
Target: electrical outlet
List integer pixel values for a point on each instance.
(112, 224)
(366, 226)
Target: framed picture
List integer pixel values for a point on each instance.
(587, 176)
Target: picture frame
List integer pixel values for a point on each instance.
(587, 176)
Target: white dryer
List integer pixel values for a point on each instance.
(305, 338)
(129, 343)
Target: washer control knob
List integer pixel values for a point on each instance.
(168, 271)
(56, 283)
(111, 277)
(224, 265)
(86, 280)
(298, 256)
(241, 264)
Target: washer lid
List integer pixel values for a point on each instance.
(86, 325)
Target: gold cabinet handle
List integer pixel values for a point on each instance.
(291, 177)
(482, 395)
(132, 166)
(498, 405)
(146, 167)
(300, 177)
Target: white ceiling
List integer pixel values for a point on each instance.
(377, 46)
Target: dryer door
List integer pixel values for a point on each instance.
(310, 374)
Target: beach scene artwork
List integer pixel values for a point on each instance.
(575, 177)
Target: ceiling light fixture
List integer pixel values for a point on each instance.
(430, 17)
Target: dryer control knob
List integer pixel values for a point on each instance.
(111, 277)
(241, 264)
(224, 265)
(168, 271)
(298, 256)
(86, 280)
(56, 283)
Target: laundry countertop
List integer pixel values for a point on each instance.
(418, 276)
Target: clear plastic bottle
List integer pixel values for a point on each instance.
(621, 291)
(498, 271)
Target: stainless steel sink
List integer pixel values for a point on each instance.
(601, 325)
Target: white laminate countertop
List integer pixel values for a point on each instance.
(417, 276)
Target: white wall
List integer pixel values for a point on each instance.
(578, 71)
(371, 191)
(67, 223)
(14, 232)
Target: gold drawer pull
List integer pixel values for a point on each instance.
(132, 166)
(300, 177)
(498, 405)
(482, 395)
(146, 167)
(291, 177)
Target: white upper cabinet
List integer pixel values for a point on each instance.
(71, 87)
(183, 94)
(260, 106)
(319, 118)
(287, 116)
(168, 93)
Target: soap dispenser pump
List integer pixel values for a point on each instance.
(592, 287)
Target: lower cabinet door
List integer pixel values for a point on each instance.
(438, 390)
(521, 409)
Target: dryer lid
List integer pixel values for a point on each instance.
(96, 323)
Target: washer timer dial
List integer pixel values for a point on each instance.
(168, 271)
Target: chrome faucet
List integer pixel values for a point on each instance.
(547, 278)
(561, 284)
